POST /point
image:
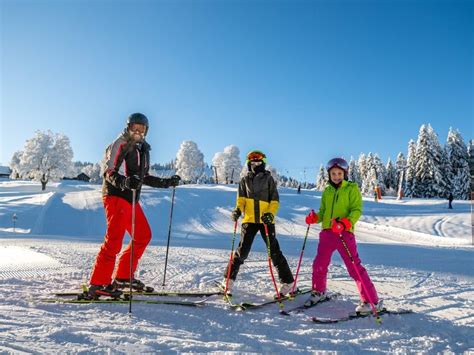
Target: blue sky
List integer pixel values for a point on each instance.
(301, 80)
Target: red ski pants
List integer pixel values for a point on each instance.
(328, 243)
(118, 213)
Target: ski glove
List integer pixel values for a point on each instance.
(340, 225)
(174, 180)
(132, 182)
(311, 218)
(236, 214)
(268, 218)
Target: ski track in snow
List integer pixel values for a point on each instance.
(442, 321)
(409, 271)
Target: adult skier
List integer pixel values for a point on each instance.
(126, 167)
(340, 209)
(258, 201)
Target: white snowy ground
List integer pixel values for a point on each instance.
(417, 252)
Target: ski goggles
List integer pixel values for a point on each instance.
(337, 163)
(256, 156)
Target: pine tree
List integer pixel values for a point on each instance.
(410, 175)
(354, 172)
(458, 157)
(400, 167)
(470, 153)
(322, 179)
(390, 176)
(427, 169)
(362, 167)
(370, 179)
(441, 166)
(379, 173)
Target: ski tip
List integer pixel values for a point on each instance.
(284, 313)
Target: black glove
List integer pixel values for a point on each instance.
(236, 214)
(268, 218)
(132, 182)
(174, 180)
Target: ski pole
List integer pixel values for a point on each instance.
(280, 304)
(372, 305)
(299, 262)
(231, 259)
(169, 234)
(134, 196)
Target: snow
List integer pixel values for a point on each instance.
(417, 252)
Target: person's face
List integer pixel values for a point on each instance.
(137, 132)
(255, 164)
(337, 175)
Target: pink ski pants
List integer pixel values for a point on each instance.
(328, 243)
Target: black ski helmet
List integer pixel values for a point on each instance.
(138, 118)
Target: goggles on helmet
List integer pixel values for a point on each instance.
(337, 163)
(256, 156)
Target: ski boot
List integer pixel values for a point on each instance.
(285, 289)
(314, 298)
(137, 285)
(95, 291)
(229, 287)
(365, 308)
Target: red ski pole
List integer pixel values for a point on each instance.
(299, 262)
(231, 259)
(280, 304)
(374, 310)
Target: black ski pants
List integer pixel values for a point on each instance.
(247, 235)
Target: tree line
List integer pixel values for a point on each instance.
(428, 170)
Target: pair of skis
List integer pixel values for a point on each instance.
(81, 298)
(245, 305)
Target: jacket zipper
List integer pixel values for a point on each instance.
(334, 200)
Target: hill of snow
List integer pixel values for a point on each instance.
(417, 252)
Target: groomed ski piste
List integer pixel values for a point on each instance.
(418, 253)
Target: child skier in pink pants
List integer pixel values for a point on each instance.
(341, 207)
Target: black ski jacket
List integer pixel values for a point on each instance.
(126, 158)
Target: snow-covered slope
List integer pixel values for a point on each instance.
(417, 252)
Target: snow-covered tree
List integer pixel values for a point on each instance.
(354, 174)
(458, 171)
(228, 165)
(322, 179)
(231, 164)
(427, 169)
(400, 167)
(15, 165)
(46, 156)
(379, 173)
(362, 167)
(441, 166)
(470, 153)
(390, 176)
(370, 178)
(189, 161)
(410, 178)
(218, 166)
(93, 171)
